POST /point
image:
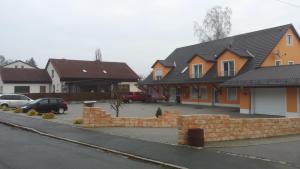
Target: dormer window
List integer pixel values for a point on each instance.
(197, 71)
(289, 40)
(158, 74)
(277, 62)
(228, 68)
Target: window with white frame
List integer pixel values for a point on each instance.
(197, 71)
(228, 68)
(199, 92)
(231, 94)
(290, 62)
(277, 62)
(158, 74)
(289, 40)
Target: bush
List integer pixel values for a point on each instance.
(158, 112)
(32, 113)
(18, 110)
(78, 121)
(50, 115)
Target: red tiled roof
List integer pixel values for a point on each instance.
(69, 70)
(16, 75)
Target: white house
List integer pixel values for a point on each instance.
(24, 80)
(19, 64)
(89, 76)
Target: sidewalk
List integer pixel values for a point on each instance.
(178, 155)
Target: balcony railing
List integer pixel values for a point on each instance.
(196, 76)
(228, 73)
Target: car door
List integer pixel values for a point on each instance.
(23, 100)
(14, 100)
(53, 105)
(43, 106)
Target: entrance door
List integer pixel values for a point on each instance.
(172, 94)
(216, 95)
(178, 93)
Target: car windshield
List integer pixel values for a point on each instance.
(35, 101)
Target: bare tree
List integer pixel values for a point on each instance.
(98, 54)
(31, 62)
(216, 24)
(117, 101)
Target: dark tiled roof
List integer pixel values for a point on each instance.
(254, 45)
(164, 63)
(69, 70)
(288, 75)
(18, 75)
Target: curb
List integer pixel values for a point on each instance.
(132, 156)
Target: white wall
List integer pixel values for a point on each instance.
(132, 86)
(55, 80)
(34, 88)
(19, 65)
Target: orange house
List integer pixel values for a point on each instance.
(256, 71)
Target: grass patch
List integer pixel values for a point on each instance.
(50, 115)
(78, 121)
(18, 110)
(32, 113)
(6, 109)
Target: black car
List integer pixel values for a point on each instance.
(45, 105)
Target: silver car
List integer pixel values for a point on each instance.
(13, 100)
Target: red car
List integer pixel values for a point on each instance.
(134, 96)
(140, 96)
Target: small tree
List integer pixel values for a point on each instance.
(117, 101)
(31, 62)
(216, 24)
(158, 112)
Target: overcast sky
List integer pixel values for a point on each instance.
(134, 31)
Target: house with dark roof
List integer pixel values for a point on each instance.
(90, 76)
(258, 72)
(19, 64)
(24, 80)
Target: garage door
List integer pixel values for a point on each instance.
(270, 101)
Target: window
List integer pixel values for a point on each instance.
(197, 71)
(42, 89)
(22, 67)
(231, 94)
(158, 74)
(277, 62)
(53, 101)
(22, 97)
(52, 73)
(199, 92)
(228, 68)
(43, 102)
(22, 89)
(1, 89)
(290, 62)
(16, 66)
(289, 40)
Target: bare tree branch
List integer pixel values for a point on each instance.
(216, 25)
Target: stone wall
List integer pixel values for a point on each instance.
(96, 117)
(222, 127)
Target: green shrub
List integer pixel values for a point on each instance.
(18, 110)
(158, 112)
(78, 121)
(50, 115)
(32, 112)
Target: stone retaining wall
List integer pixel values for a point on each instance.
(96, 117)
(222, 127)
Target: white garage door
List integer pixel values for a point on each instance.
(270, 101)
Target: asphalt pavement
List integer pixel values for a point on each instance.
(178, 155)
(25, 150)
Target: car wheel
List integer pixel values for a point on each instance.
(61, 111)
(129, 101)
(4, 106)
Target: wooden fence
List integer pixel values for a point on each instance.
(72, 96)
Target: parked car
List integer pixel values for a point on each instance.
(134, 96)
(140, 96)
(45, 105)
(14, 100)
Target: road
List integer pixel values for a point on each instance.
(25, 150)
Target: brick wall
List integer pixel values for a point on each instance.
(222, 127)
(96, 117)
